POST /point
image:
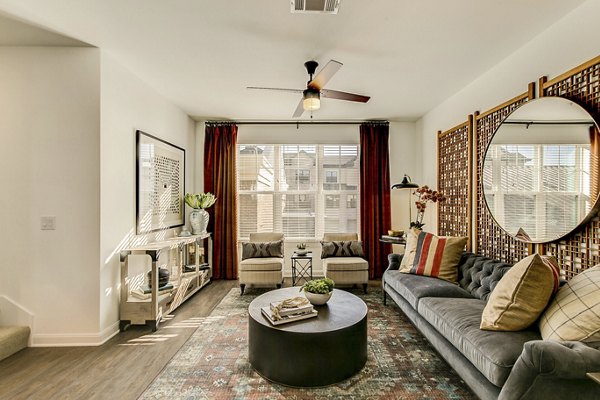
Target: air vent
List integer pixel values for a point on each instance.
(315, 6)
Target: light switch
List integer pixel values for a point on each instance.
(48, 223)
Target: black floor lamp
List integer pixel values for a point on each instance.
(406, 184)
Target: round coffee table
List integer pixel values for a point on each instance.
(314, 352)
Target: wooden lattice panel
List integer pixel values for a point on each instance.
(490, 239)
(454, 177)
(579, 250)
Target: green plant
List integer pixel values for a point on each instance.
(301, 246)
(200, 200)
(318, 286)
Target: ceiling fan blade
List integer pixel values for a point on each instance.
(278, 89)
(334, 94)
(299, 110)
(325, 74)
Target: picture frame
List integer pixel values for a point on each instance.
(160, 184)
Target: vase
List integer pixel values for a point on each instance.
(317, 299)
(199, 221)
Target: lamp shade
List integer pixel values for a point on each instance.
(405, 184)
(311, 99)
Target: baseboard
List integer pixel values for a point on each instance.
(65, 340)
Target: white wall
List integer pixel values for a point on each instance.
(50, 135)
(127, 105)
(564, 45)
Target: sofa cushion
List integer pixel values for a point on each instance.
(348, 248)
(262, 249)
(573, 314)
(492, 353)
(345, 264)
(433, 256)
(479, 275)
(262, 264)
(415, 287)
(520, 296)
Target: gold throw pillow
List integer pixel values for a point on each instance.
(520, 297)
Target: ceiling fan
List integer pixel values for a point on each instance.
(311, 96)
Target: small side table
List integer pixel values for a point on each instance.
(301, 267)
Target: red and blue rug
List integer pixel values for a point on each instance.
(213, 363)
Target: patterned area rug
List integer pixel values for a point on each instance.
(213, 363)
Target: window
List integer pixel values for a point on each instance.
(300, 190)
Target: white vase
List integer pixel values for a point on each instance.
(199, 221)
(318, 299)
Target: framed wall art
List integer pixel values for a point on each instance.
(160, 177)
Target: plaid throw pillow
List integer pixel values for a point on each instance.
(350, 248)
(262, 249)
(573, 314)
(433, 256)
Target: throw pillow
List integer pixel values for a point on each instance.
(573, 314)
(552, 263)
(520, 297)
(430, 255)
(349, 248)
(262, 249)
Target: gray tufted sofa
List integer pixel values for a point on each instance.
(495, 365)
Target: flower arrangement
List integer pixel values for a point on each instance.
(424, 195)
(200, 200)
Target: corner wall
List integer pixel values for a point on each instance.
(50, 136)
(564, 45)
(127, 105)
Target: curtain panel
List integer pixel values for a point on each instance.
(220, 141)
(375, 209)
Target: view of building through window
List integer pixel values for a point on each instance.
(300, 190)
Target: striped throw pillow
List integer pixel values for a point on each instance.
(436, 256)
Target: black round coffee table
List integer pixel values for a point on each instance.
(314, 352)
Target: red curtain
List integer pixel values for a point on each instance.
(375, 214)
(220, 141)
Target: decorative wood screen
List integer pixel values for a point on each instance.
(490, 239)
(580, 250)
(454, 180)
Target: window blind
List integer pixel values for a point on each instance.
(300, 190)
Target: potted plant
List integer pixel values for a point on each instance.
(425, 195)
(301, 249)
(199, 216)
(318, 291)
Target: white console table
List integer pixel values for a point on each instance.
(190, 269)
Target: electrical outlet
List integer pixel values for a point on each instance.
(48, 223)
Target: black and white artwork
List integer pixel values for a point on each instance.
(160, 180)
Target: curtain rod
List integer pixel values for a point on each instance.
(297, 122)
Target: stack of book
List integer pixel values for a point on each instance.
(397, 239)
(277, 315)
(144, 292)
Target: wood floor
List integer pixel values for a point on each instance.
(121, 369)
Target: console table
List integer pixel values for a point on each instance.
(190, 267)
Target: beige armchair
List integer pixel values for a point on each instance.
(263, 269)
(345, 270)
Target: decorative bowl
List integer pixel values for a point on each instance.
(317, 299)
(395, 233)
(301, 252)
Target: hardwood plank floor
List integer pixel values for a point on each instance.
(120, 369)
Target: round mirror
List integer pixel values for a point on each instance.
(541, 170)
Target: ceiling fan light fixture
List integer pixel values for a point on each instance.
(311, 100)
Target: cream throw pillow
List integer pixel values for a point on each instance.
(574, 312)
(520, 297)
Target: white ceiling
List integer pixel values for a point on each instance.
(408, 56)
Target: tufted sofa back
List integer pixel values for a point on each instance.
(479, 275)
